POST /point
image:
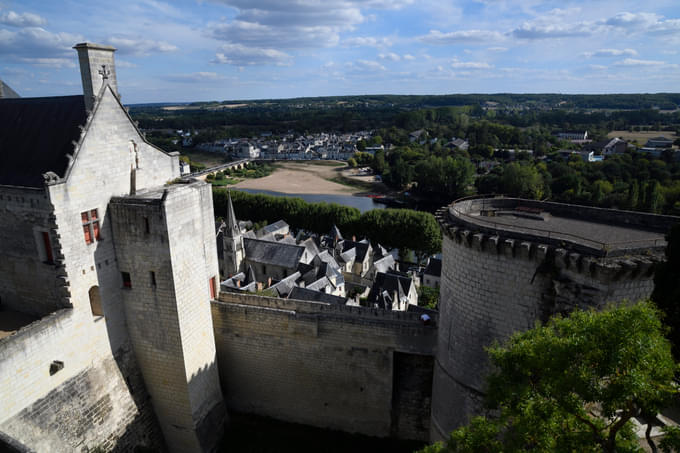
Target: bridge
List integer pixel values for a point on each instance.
(235, 165)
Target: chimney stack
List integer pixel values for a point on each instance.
(96, 67)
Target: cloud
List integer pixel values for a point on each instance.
(240, 55)
(367, 41)
(463, 36)
(636, 62)
(409, 57)
(196, 77)
(22, 20)
(124, 64)
(366, 66)
(497, 49)
(456, 64)
(556, 23)
(34, 43)
(628, 20)
(389, 56)
(57, 63)
(603, 53)
(285, 37)
(139, 46)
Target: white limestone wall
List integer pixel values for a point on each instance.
(102, 169)
(169, 322)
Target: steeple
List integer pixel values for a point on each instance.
(231, 230)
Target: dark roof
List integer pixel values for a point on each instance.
(276, 253)
(315, 296)
(434, 267)
(361, 248)
(36, 134)
(7, 92)
(390, 281)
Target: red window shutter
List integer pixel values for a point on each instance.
(83, 217)
(211, 284)
(88, 236)
(48, 247)
(95, 226)
(93, 214)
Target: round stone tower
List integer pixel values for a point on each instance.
(508, 263)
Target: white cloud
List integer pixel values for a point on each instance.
(603, 53)
(497, 49)
(22, 19)
(33, 43)
(462, 36)
(389, 56)
(456, 64)
(367, 41)
(557, 23)
(51, 62)
(628, 20)
(366, 66)
(139, 46)
(240, 55)
(409, 57)
(636, 62)
(196, 77)
(286, 37)
(125, 64)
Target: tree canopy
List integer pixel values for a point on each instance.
(573, 385)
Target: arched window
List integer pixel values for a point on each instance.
(95, 301)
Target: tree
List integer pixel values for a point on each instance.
(522, 181)
(573, 385)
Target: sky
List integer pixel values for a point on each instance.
(215, 50)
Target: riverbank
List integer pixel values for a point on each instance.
(314, 177)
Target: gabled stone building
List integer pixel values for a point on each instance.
(94, 253)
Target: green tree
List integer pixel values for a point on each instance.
(574, 385)
(522, 181)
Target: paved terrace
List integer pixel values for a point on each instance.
(602, 232)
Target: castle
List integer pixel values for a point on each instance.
(116, 333)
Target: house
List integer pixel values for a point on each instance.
(659, 142)
(272, 259)
(432, 273)
(393, 291)
(419, 136)
(573, 136)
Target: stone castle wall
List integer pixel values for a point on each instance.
(346, 368)
(493, 286)
(92, 401)
(28, 282)
(165, 242)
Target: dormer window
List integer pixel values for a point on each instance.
(90, 221)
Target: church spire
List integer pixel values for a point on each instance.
(231, 230)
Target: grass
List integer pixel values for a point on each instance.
(204, 157)
(224, 182)
(641, 136)
(364, 186)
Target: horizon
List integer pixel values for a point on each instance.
(237, 50)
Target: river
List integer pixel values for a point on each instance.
(363, 204)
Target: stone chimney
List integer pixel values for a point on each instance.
(96, 67)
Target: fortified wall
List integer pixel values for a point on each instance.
(347, 368)
(507, 263)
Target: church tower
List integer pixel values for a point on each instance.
(232, 242)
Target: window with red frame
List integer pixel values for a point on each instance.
(90, 221)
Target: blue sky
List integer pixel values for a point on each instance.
(191, 50)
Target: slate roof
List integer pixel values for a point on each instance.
(6, 91)
(434, 267)
(275, 253)
(285, 286)
(274, 227)
(361, 248)
(36, 134)
(315, 296)
(390, 281)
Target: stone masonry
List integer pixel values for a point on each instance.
(499, 281)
